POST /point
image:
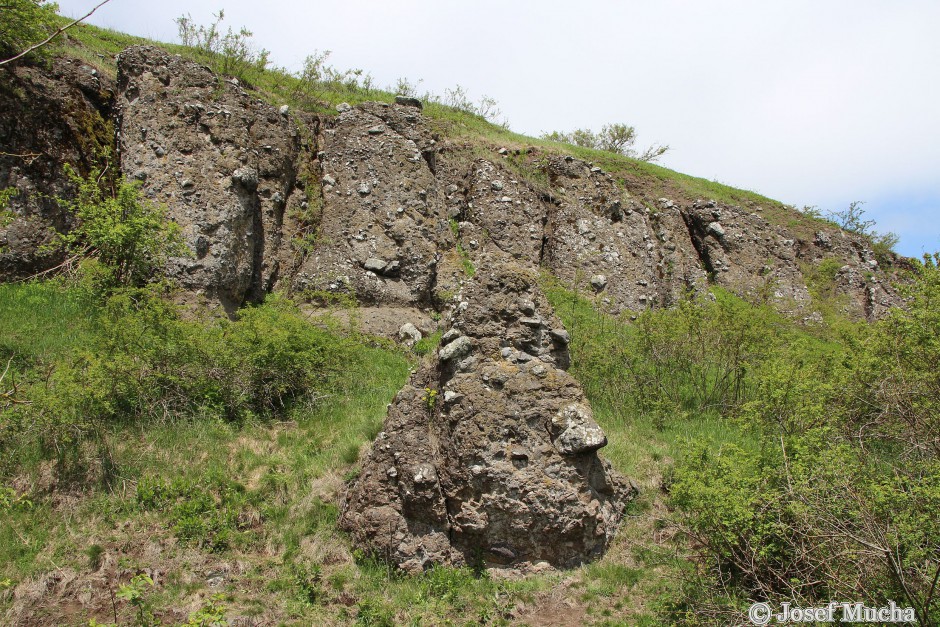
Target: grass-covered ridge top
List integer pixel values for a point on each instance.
(99, 47)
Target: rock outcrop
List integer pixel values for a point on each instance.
(489, 455)
(371, 202)
(383, 217)
(51, 117)
(225, 164)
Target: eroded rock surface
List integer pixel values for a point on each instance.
(225, 164)
(488, 455)
(383, 219)
(51, 117)
(374, 205)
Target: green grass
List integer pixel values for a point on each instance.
(263, 492)
(40, 321)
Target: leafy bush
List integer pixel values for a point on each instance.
(130, 237)
(839, 499)
(698, 356)
(616, 138)
(24, 23)
(894, 393)
(851, 219)
(142, 361)
(808, 520)
(317, 79)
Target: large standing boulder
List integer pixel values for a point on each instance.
(489, 453)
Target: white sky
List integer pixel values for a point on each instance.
(811, 102)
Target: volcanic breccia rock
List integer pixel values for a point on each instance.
(489, 453)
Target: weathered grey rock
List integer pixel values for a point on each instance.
(576, 431)
(716, 229)
(222, 162)
(409, 334)
(456, 349)
(505, 469)
(449, 336)
(52, 114)
(381, 200)
(235, 173)
(407, 101)
(246, 177)
(374, 264)
(599, 282)
(561, 335)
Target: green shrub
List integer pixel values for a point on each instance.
(808, 520)
(25, 23)
(210, 513)
(698, 356)
(142, 361)
(894, 393)
(130, 237)
(839, 499)
(211, 614)
(230, 53)
(615, 138)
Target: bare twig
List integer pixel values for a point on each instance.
(28, 157)
(54, 35)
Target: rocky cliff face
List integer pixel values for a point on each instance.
(372, 202)
(489, 454)
(62, 114)
(229, 168)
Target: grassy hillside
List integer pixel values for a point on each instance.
(236, 512)
(186, 469)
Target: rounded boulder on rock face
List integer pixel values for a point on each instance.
(577, 432)
(449, 336)
(246, 177)
(409, 334)
(374, 264)
(407, 101)
(716, 229)
(598, 282)
(456, 349)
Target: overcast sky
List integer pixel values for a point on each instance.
(811, 102)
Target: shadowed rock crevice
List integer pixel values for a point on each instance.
(696, 233)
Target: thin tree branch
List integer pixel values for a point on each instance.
(54, 35)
